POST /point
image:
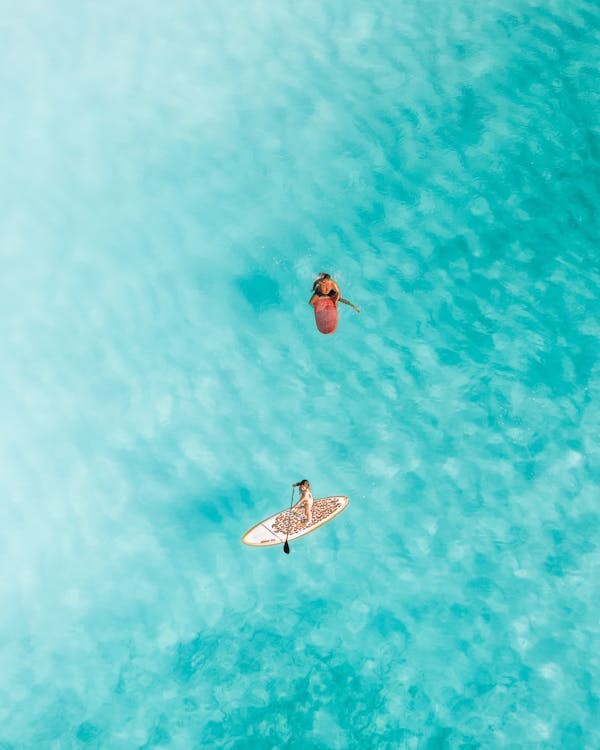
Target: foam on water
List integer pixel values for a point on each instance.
(174, 176)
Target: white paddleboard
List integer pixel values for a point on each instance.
(273, 530)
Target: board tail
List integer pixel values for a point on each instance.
(326, 314)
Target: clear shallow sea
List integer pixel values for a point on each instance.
(173, 175)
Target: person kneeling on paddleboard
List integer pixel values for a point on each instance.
(325, 286)
(306, 499)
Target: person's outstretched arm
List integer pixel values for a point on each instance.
(346, 302)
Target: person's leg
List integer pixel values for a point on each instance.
(308, 507)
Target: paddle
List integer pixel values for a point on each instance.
(286, 546)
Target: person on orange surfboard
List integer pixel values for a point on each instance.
(306, 499)
(325, 286)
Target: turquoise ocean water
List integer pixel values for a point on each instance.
(173, 176)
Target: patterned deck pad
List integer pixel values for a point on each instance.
(296, 518)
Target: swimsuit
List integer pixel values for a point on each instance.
(331, 294)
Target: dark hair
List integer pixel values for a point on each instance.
(319, 279)
(304, 481)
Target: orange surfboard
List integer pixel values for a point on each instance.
(326, 314)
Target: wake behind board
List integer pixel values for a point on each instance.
(273, 530)
(326, 314)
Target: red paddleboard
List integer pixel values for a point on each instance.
(326, 314)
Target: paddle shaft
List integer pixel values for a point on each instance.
(286, 546)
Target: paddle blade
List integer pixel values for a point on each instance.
(286, 548)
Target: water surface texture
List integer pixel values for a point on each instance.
(173, 175)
